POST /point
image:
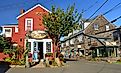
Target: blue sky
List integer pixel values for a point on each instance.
(10, 9)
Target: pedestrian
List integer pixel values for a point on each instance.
(35, 55)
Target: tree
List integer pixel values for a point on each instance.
(59, 23)
(4, 43)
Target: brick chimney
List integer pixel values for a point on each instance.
(22, 11)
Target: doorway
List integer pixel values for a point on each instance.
(81, 52)
(40, 48)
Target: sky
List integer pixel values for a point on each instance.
(10, 9)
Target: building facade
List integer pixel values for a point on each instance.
(94, 43)
(30, 30)
(101, 44)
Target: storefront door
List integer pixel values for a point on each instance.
(40, 49)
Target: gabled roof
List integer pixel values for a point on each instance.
(97, 18)
(38, 5)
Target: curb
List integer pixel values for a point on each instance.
(19, 66)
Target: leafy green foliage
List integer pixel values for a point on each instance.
(14, 62)
(59, 23)
(14, 53)
(4, 43)
(8, 51)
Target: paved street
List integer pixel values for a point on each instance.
(73, 67)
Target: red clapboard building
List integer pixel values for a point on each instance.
(30, 20)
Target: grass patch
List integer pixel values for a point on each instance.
(117, 62)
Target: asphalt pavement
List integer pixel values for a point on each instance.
(81, 66)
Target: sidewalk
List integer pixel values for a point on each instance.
(40, 65)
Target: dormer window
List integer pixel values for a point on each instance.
(28, 24)
(107, 27)
(96, 27)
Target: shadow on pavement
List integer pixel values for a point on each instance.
(70, 59)
(4, 67)
(34, 64)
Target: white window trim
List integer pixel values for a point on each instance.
(31, 19)
(44, 44)
(10, 32)
(107, 28)
(16, 29)
(50, 47)
(96, 26)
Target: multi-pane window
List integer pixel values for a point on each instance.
(96, 27)
(29, 46)
(29, 24)
(35, 46)
(48, 46)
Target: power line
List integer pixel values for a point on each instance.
(95, 12)
(109, 23)
(98, 9)
(90, 7)
(117, 5)
(114, 20)
(99, 32)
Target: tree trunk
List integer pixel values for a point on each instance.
(56, 48)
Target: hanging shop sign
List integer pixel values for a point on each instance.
(38, 34)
